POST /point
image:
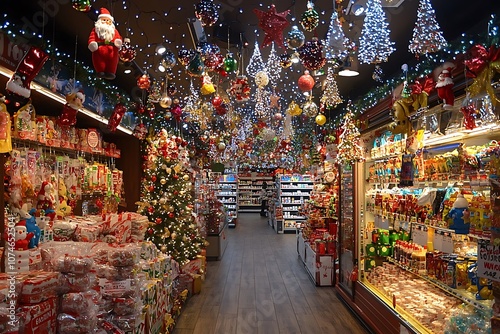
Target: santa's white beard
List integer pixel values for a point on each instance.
(105, 31)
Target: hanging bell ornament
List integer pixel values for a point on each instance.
(310, 18)
(230, 64)
(295, 38)
(81, 5)
(196, 67)
(185, 56)
(165, 101)
(127, 52)
(206, 12)
(285, 60)
(144, 82)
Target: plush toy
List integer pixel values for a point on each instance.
(46, 198)
(31, 226)
(105, 43)
(457, 215)
(420, 91)
(22, 237)
(63, 209)
(401, 111)
(74, 101)
(444, 87)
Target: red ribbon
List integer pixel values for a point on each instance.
(423, 85)
(479, 57)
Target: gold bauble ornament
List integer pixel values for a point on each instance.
(320, 119)
(163, 200)
(185, 239)
(221, 146)
(169, 170)
(185, 177)
(163, 249)
(163, 181)
(165, 101)
(170, 208)
(173, 235)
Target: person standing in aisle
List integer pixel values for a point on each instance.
(263, 200)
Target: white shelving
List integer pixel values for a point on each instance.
(227, 193)
(249, 191)
(294, 191)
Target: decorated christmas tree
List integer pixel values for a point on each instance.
(167, 198)
(335, 38)
(427, 35)
(374, 43)
(273, 67)
(331, 97)
(349, 149)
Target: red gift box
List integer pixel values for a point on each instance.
(40, 318)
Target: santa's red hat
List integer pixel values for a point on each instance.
(105, 14)
(81, 95)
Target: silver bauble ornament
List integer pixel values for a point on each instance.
(295, 38)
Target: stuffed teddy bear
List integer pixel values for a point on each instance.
(457, 215)
(401, 111)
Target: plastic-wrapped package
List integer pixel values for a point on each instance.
(63, 230)
(70, 324)
(80, 303)
(116, 273)
(109, 328)
(120, 289)
(125, 322)
(37, 286)
(124, 256)
(40, 318)
(69, 282)
(125, 306)
(73, 264)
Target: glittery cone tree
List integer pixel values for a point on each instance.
(166, 198)
(335, 38)
(273, 67)
(374, 43)
(256, 64)
(427, 35)
(331, 97)
(350, 150)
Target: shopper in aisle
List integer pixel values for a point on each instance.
(263, 200)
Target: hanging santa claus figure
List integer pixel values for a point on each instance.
(444, 87)
(105, 42)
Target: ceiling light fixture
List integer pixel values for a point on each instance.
(160, 49)
(349, 67)
(356, 7)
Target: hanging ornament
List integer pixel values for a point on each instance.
(335, 38)
(230, 63)
(176, 111)
(320, 119)
(256, 64)
(310, 109)
(427, 35)
(213, 60)
(206, 12)
(406, 92)
(81, 5)
(74, 102)
(140, 131)
(444, 88)
(469, 112)
(267, 134)
(295, 38)
(140, 109)
(306, 82)
(222, 109)
(331, 97)
(105, 44)
(278, 116)
(217, 101)
(311, 55)
(165, 101)
(374, 43)
(240, 89)
(310, 18)
(275, 101)
(116, 117)
(196, 67)
(207, 86)
(168, 59)
(285, 60)
(221, 146)
(143, 82)
(261, 79)
(127, 52)
(171, 89)
(273, 24)
(27, 69)
(185, 56)
(378, 74)
(294, 109)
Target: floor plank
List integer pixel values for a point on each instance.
(260, 286)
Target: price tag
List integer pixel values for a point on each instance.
(419, 234)
(438, 241)
(488, 261)
(448, 242)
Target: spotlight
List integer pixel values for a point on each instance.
(127, 71)
(160, 49)
(161, 68)
(355, 7)
(349, 67)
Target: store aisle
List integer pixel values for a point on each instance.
(260, 286)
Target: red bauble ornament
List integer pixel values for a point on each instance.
(306, 82)
(273, 24)
(144, 82)
(151, 231)
(151, 188)
(158, 220)
(151, 209)
(116, 116)
(127, 52)
(140, 108)
(171, 215)
(221, 110)
(153, 178)
(175, 178)
(176, 111)
(217, 101)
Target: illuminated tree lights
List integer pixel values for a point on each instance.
(166, 198)
(331, 97)
(374, 44)
(256, 64)
(349, 148)
(427, 35)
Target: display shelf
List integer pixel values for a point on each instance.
(290, 188)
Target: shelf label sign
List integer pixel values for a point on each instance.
(488, 261)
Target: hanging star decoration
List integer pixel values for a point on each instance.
(273, 24)
(275, 101)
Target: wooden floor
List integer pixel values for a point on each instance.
(260, 286)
